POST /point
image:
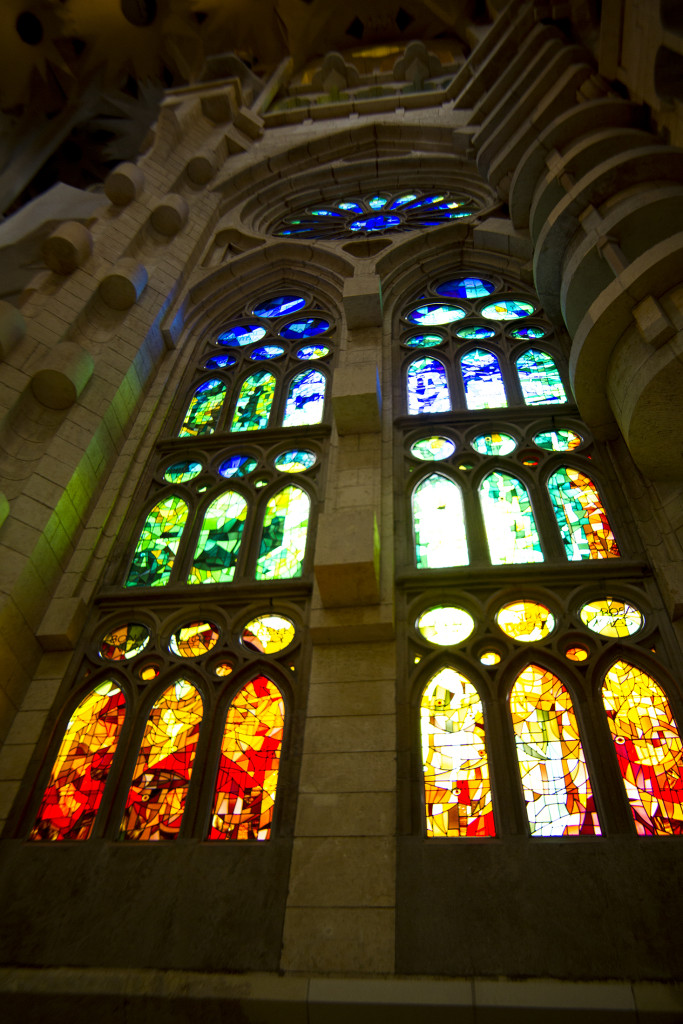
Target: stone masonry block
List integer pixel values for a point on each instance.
(124, 184)
(12, 328)
(67, 248)
(356, 399)
(347, 558)
(63, 376)
(363, 301)
(62, 624)
(653, 323)
(249, 123)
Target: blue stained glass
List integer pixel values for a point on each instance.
(427, 387)
(423, 341)
(313, 352)
(531, 333)
(408, 198)
(379, 223)
(278, 307)
(325, 213)
(428, 201)
(475, 332)
(376, 203)
(351, 207)
(306, 399)
(267, 352)
(507, 309)
(539, 378)
(305, 328)
(484, 388)
(242, 335)
(465, 288)
(435, 313)
(219, 362)
(237, 465)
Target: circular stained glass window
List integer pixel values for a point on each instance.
(494, 444)
(194, 639)
(557, 440)
(445, 625)
(470, 333)
(295, 461)
(237, 465)
(181, 472)
(402, 200)
(431, 449)
(267, 352)
(268, 634)
(224, 668)
(489, 658)
(149, 672)
(435, 313)
(612, 618)
(279, 306)
(465, 288)
(527, 621)
(124, 642)
(313, 352)
(423, 341)
(248, 335)
(308, 328)
(352, 207)
(219, 362)
(380, 222)
(377, 202)
(527, 333)
(507, 309)
(576, 653)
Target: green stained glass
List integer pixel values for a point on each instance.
(158, 544)
(203, 411)
(439, 523)
(254, 402)
(306, 399)
(423, 341)
(431, 449)
(507, 309)
(509, 520)
(219, 541)
(298, 460)
(581, 518)
(181, 472)
(494, 444)
(283, 543)
(541, 383)
(475, 332)
(557, 440)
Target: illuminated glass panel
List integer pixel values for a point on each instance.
(475, 332)
(313, 352)
(465, 288)
(181, 472)
(298, 460)
(484, 388)
(433, 313)
(194, 639)
(158, 544)
(506, 309)
(267, 352)
(218, 545)
(254, 402)
(611, 618)
(204, 409)
(219, 362)
(445, 625)
(283, 544)
(455, 764)
(325, 213)
(423, 341)
(250, 759)
(377, 202)
(268, 634)
(402, 200)
(350, 207)
(439, 523)
(380, 222)
(248, 335)
(237, 465)
(161, 778)
(305, 400)
(124, 642)
(427, 386)
(576, 653)
(557, 440)
(494, 444)
(509, 520)
(430, 449)
(530, 333)
(648, 748)
(581, 518)
(557, 790)
(307, 328)
(72, 796)
(528, 621)
(279, 306)
(539, 378)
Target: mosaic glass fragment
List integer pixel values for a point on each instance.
(351, 207)
(552, 764)
(489, 658)
(268, 634)
(267, 352)
(402, 200)
(581, 517)
(433, 313)
(439, 523)
(181, 472)
(254, 402)
(455, 764)
(194, 639)
(305, 400)
(279, 306)
(283, 543)
(324, 213)
(427, 387)
(297, 460)
(576, 653)
(557, 440)
(431, 449)
(219, 362)
(470, 333)
(380, 222)
(124, 642)
(204, 409)
(506, 309)
(611, 618)
(248, 335)
(313, 352)
(509, 520)
(484, 388)
(528, 621)
(494, 444)
(158, 544)
(445, 625)
(465, 288)
(377, 202)
(218, 544)
(307, 328)
(527, 333)
(423, 341)
(539, 378)
(237, 465)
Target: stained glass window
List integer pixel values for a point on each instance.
(266, 352)
(439, 523)
(423, 341)
(283, 542)
(648, 748)
(194, 639)
(268, 634)
(484, 388)
(509, 520)
(430, 449)
(557, 440)
(433, 313)
(427, 386)
(611, 618)
(557, 790)
(305, 400)
(254, 402)
(581, 518)
(455, 764)
(204, 409)
(158, 544)
(539, 378)
(237, 465)
(125, 642)
(465, 288)
(74, 793)
(219, 540)
(507, 309)
(307, 328)
(494, 444)
(241, 336)
(297, 460)
(279, 306)
(250, 759)
(309, 352)
(181, 472)
(445, 625)
(354, 214)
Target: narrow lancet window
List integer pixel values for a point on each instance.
(306, 400)
(218, 546)
(539, 378)
(204, 409)
(158, 544)
(581, 518)
(254, 402)
(509, 520)
(427, 386)
(439, 523)
(484, 388)
(283, 542)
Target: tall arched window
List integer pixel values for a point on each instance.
(305, 399)
(283, 541)
(218, 545)
(427, 386)
(509, 519)
(581, 518)
(539, 378)
(439, 523)
(484, 388)
(158, 544)
(204, 409)
(254, 402)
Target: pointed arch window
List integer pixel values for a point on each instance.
(455, 764)
(254, 402)
(557, 789)
(509, 520)
(439, 523)
(483, 380)
(305, 400)
(539, 378)
(283, 541)
(581, 517)
(246, 786)
(204, 409)
(158, 543)
(427, 386)
(218, 545)
(648, 748)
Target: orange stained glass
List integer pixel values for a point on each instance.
(455, 763)
(581, 518)
(250, 759)
(557, 790)
(74, 792)
(648, 748)
(156, 800)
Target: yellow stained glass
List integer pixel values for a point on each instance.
(194, 639)
(268, 634)
(612, 618)
(445, 625)
(527, 621)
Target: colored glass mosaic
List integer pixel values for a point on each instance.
(248, 768)
(242, 336)
(313, 352)
(402, 200)
(161, 777)
(494, 444)
(648, 748)
(465, 288)
(181, 472)
(220, 362)
(149, 672)
(268, 634)
(124, 642)
(218, 544)
(484, 388)
(74, 792)
(380, 222)
(297, 460)
(528, 621)
(283, 543)
(158, 544)
(325, 213)
(267, 352)
(581, 518)
(576, 653)
(307, 328)
(431, 449)
(455, 764)
(194, 639)
(611, 618)
(439, 523)
(527, 333)
(445, 625)
(423, 341)
(509, 520)
(353, 207)
(506, 309)
(427, 387)
(433, 313)
(353, 215)
(489, 658)
(470, 333)
(557, 440)
(377, 202)
(279, 306)
(204, 409)
(223, 669)
(539, 378)
(237, 465)
(552, 764)
(305, 400)
(254, 402)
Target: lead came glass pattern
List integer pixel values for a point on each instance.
(439, 523)
(581, 518)
(283, 543)
(158, 544)
(305, 400)
(219, 541)
(455, 764)
(204, 409)
(427, 386)
(484, 388)
(539, 378)
(252, 410)
(509, 520)
(557, 790)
